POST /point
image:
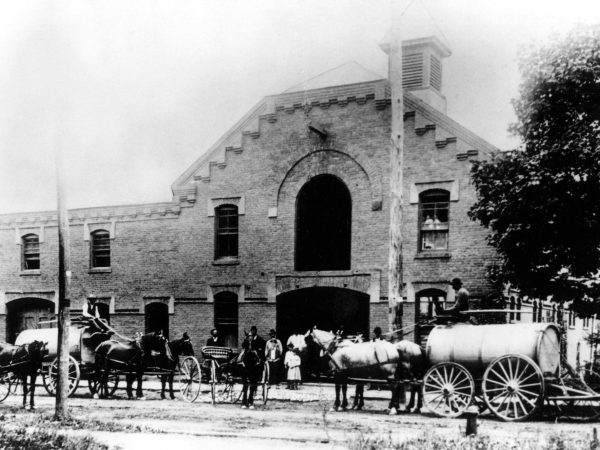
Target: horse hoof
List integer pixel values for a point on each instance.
(95, 396)
(141, 398)
(392, 412)
(244, 407)
(173, 397)
(251, 407)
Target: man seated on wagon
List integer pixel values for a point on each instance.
(91, 313)
(461, 304)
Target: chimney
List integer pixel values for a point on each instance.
(422, 69)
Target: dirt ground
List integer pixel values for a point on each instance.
(291, 419)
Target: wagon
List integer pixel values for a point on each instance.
(510, 369)
(84, 338)
(225, 386)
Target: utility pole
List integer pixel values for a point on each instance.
(397, 165)
(64, 303)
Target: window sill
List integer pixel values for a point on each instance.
(228, 261)
(433, 255)
(100, 270)
(30, 272)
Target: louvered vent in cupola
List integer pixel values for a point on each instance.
(435, 78)
(412, 70)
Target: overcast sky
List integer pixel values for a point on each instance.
(135, 91)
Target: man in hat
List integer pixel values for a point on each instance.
(215, 340)
(273, 352)
(461, 304)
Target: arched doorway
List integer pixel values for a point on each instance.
(425, 311)
(325, 307)
(323, 225)
(26, 314)
(157, 318)
(226, 317)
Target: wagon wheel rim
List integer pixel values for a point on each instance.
(448, 389)
(4, 388)
(213, 381)
(105, 384)
(189, 379)
(513, 387)
(50, 376)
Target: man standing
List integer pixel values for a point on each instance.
(461, 304)
(215, 340)
(273, 352)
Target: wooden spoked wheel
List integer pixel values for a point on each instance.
(513, 387)
(50, 376)
(106, 385)
(4, 387)
(264, 382)
(448, 389)
(189, 379)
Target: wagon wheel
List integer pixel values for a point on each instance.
(50, 376)
(189, 379)
(264, 382)
(5, 387)
(106, 384)
(213, 380)
(448, 389)
(513, 387)
(13, 382)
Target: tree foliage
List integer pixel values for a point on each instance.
(541, 202)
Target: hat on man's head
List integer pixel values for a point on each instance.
(213, 331)
(272, 332)
(253, 328)
(456, 281)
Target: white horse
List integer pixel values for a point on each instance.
(394, 362)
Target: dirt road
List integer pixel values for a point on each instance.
(291, 419)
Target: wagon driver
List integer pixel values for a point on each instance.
(90, 311)
(461, 304)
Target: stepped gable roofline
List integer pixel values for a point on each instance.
(379, 88)
(32, 218)
(239, 127)
(344, 74)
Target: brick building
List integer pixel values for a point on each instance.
(282, 223)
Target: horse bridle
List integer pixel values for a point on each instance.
(326, 350)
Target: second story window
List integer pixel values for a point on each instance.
(100, 249)
(433, 220)
(226, 231)
(31, 252)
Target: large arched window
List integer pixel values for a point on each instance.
(226, 231)
(323, 225)
(226, 317)
(433, 220)
(100, 249)
(31, 252)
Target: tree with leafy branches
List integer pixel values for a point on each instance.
(541, 202)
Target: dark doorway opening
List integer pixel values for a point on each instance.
(325, 307)
(26, 314)
(157, 318)
(323, 225)
(104, 311)
(226, 317)
(425, 311)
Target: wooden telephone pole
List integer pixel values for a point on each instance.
(397, 164)
(64, 303)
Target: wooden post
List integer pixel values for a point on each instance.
(396, 169)
(64, 303)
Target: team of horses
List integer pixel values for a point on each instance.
(348, 360)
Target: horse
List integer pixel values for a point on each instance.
(248, 366)
(132, 356)
(394, 362)
(178, 348)
(24, 361)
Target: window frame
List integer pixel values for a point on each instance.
(27, 255)
(228, 235)
(438, 208)
(95, 236)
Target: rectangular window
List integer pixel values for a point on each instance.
(434, 225)
(100, 249)
(226, 231)
(31, 252)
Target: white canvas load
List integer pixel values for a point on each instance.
(475, 347)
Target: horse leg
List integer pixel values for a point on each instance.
(338, 385)
(33, 376)
(245, 392)
(139, 392)
(129, 381)
(171, 377)
(24, 383)
(163, 382)
(359, 399)
(344, 392)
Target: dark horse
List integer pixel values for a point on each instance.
(24, 361)
(178, 347)
(248, 366)
(131, 357)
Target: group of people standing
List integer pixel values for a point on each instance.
(272, 351)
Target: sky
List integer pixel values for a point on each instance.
(132, 92)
